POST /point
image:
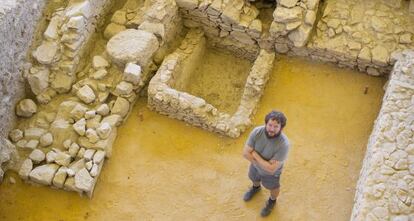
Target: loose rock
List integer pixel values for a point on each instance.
(16, 135)
(26, 108)
(44, 174)
(46, 140)
(25, 169)
(99, 62)
(83, 180)
(86, 94)
(132, 46)
(37, 156)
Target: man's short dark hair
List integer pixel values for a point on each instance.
(278, 116)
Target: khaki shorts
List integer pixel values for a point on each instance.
(270, 182)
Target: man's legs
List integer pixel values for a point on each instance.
(272, 184)
(255, 178)
(274, 193)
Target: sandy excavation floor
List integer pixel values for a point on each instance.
(220, 80)
(163, 169)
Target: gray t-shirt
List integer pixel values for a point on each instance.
(269, 148)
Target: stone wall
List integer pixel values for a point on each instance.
(232, 25)
(293, 22)
(362, 35)
(64, 143)
(57, 57)
(356, 34)
(150, 16)
(164, 97)
(385, 189)
(18, 21)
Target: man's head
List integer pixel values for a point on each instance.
(275, 121)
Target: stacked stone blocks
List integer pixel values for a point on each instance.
(164, 98)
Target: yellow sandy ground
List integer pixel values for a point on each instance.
(163, 169)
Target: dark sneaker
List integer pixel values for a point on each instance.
(250, 193)
(268, 207)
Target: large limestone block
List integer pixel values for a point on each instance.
(51, 156)
(78, 111)
(135, 46)
(62, 158)
(119, 17)
(34, 133)
(287, 15)
(100, 74)
(95, 170)
(92, 135)
(99, 62)
(46, 140)
(121, 107)
(156, 28)
(378, 24)
(73, 149)
(113, 29)
(113, 120)
(43, 174)
(47, 52)
(62, 82)
(123, 88)
(310, 17)
(132, 73)
(98, 157)
(26, 108)
(25, 169)
(82, 8)
(104, 130)
(380, 55)
(16, 135)
(103, 110)
(39, 80)
(94, 122)
(60, 177)
(86, 94)
(88, 155)
(77, 23)
(84, 181)
(61, 130)
(80, 126)
(90, 114)
(70, 185)
(52, 29)
(37, 156)
(77, 166)
(300, 36)
(31, 144)
(231, 12)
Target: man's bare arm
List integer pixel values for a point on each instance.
(247, 153)
(269, 166)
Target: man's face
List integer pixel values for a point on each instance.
(273, 128)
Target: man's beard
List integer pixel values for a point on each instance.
(274, 136)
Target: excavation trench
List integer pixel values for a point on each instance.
(160, 168)
(164, 169)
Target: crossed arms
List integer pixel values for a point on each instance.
(269, 166)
